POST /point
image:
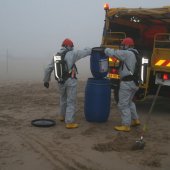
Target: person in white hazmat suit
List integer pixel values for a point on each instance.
(68, 89)
(128, 87)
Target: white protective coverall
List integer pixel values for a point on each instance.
(127, 88)
(68, 90)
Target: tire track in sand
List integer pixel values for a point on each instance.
(55, 156)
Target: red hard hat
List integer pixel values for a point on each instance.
(128, 41)
(67, 43)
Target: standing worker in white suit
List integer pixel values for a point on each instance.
(128, 86)
(68, 88)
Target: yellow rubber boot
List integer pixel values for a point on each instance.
(72, 125)
(122, 128)
(135, 122)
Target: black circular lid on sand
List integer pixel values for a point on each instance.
(43, 122)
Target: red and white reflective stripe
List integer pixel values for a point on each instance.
(165, 63)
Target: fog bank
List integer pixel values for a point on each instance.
(32, 69)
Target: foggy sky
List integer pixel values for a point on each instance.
(31, 31)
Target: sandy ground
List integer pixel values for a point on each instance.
(92, 146)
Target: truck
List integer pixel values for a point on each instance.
(150, 29)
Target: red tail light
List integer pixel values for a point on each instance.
(114, 71)
(165, 77)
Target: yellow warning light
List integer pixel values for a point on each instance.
(106, 6)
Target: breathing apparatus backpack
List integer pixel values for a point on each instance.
(136, 75)
(137, 71)
(61, 71)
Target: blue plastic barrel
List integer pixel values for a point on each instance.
(98, 63)
(97, 100)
